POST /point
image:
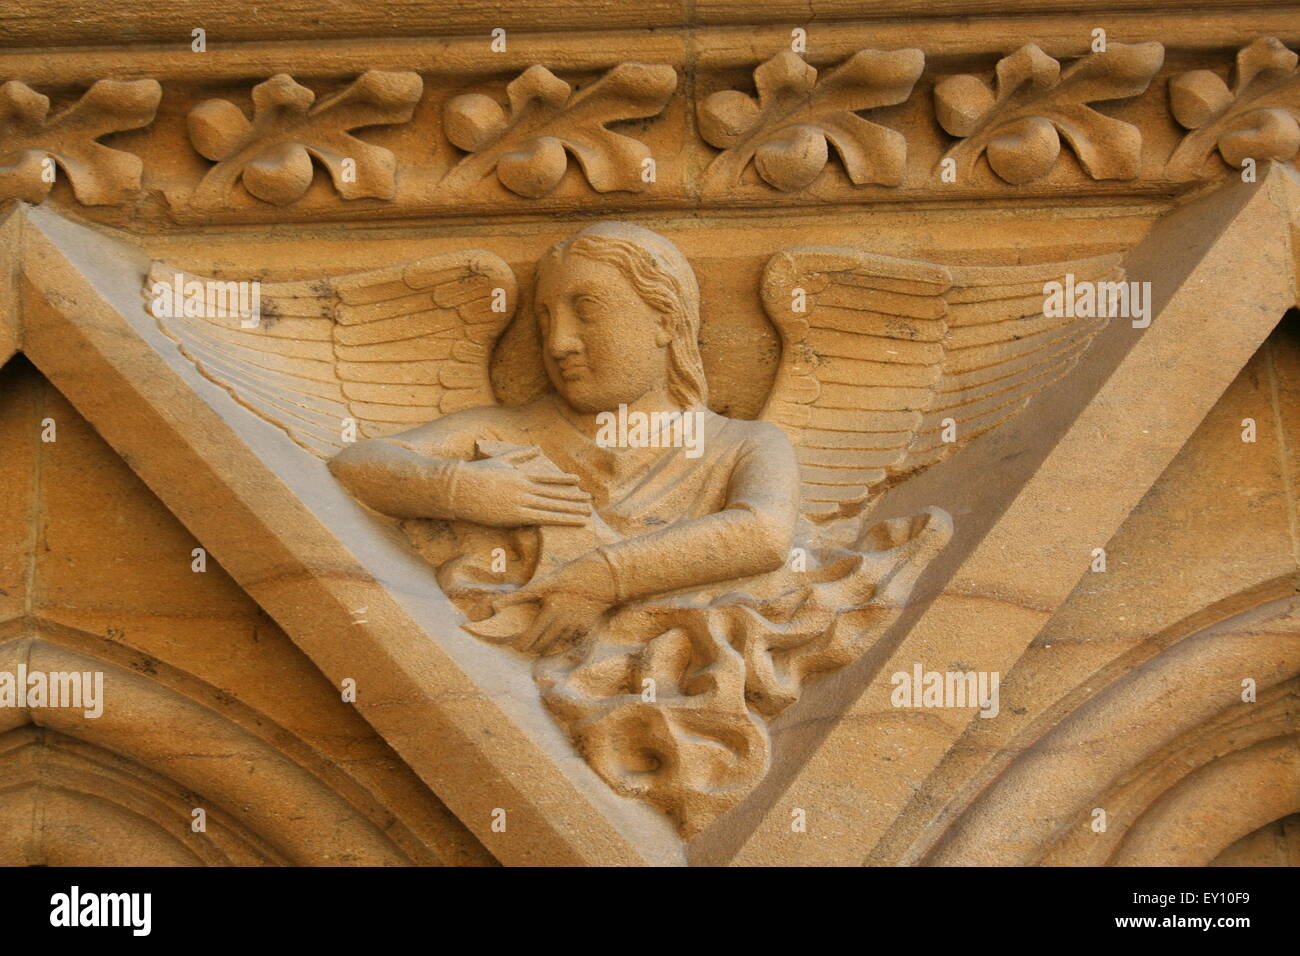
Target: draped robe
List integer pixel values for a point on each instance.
(728, 598)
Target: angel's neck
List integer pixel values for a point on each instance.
(591, 423)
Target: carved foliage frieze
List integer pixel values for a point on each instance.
(870, 127)
(785, 131)
(32, 141)
(272, 154)
(1019, 125)
(528, 146)
(1256, 119)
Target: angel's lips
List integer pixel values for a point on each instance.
(572, 373)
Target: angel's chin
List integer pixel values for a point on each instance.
(583, 400)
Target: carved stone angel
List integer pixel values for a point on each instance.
(672, 603)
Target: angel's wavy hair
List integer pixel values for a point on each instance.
(663, 279)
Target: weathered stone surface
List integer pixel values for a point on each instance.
(651, 436)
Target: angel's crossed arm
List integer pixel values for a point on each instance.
(751, 534)
(426, 473)
(429, 472)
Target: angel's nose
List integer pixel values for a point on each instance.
(563, 340)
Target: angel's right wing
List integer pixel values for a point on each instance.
(385, 350)
(879, 352)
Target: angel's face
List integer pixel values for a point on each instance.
(602, 344)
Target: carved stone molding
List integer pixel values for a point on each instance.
(32, 141)
(528, 148)
(1020, 124)
(701, 138)
(785, 133)
(272, 154)
(1255, 120)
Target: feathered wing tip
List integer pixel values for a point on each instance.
(890, 365)
(338, 359)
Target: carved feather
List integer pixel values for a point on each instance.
(879, 351)
(388, 349)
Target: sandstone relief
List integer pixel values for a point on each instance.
(272, 154)
(34, 141)
(1020, 127)
(1254, 120)
(785, 132)
(1015, 116)
(676, 573)
(529, 148)
(646, 434)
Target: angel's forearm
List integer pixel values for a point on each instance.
(735, 543)
(396, 481)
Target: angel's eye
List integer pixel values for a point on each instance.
(588, 308)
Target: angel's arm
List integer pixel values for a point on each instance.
(751, 535)
(427, 473)
(412, 474)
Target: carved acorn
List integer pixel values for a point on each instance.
(1273, 134)
(280, 175)
(726, 116)
(961, 103)
(534, 170)
(216, 128)
(792, 158)
(1197, 97)
(1024, 151)
(472, 121)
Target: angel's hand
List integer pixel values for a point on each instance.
(498, 492)
(571, 599)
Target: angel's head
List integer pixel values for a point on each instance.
(618, 310)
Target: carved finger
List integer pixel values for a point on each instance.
(565, 479)
(553, 638)
(537, 516)
(520, 455)
(556, 506)
(521, 596)
(560, 493)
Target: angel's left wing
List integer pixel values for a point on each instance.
(879, 352)
(371, 352)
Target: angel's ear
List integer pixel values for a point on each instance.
(664, 334)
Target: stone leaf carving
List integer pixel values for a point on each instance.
(385, 349)
(786, 130)
(1256, 119)
(528, 147)
(100, 176)
(653, 580)
(273, 153)
(1020, 127)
